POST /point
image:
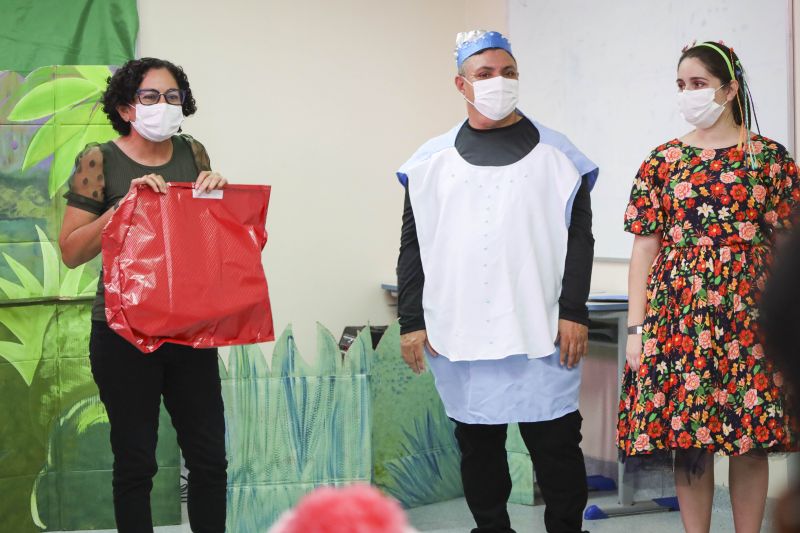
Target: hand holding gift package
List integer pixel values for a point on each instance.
(185, 267)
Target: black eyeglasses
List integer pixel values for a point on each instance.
(152, 96)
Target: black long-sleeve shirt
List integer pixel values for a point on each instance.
(499, 147)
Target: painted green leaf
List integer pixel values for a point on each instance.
(41, 149)
(16, 322)
(16, 354)
(45, 141)
(86, 413)
(41, 146)
(30, 286)
(35, 506)
(51, 97)
(29, 328)
(37, 77)
(64, 161)
(34, 79)
(71, 282)
(72, 91)
(91, 288)
(80, 114)
(28, 280)
(38, 103)
(95, 74)
(12, 290)
(49, 263)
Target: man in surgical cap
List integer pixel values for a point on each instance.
(494, 270)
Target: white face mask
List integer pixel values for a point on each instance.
(158, 122)
(495, 98)
(698, 107)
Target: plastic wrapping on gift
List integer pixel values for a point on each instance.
(187, 270)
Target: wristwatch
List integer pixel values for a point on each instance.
(635, 330)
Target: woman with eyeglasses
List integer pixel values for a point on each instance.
(146, 101)
(706, 210)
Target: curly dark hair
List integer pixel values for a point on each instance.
(122, 87)
(718, 67)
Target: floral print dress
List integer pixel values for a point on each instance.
(704, 382)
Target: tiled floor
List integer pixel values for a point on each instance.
(453, 517)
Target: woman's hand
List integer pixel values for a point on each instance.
(208, 181)
(154, 181)
(633, 352)
(645, 250)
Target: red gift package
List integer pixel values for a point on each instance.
(186, 268)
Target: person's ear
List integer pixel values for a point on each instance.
(127, 112)
(733, 90)
(459, 81)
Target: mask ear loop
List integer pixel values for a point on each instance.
(752, 102)
(745, 137)
(746, 127)
(754, 163)
(743, 125)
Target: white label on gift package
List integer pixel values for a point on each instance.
(216, 194)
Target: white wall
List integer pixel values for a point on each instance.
(486, 15)
(323, 101)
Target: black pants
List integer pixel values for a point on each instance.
(554, 446)
(131, 386)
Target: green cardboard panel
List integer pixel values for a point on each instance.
(54, 441)
(27, 334)
(80, 440)
(45, 499)
(81, 282)
(44, 397)
(86, 501)
(520, 466)
(10, 83)
(79, 94)
(74, 326)
(415, 454)
(168, 454)
(15, 504)
(80, 458)
(22, 450)
(294, 426)
(27, 99)
(289, 429)
(256, 507)
(29, 270)
(24, 200)
(165, 500)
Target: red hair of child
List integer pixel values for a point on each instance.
(358, 508)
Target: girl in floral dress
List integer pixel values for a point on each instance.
(705, 210)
